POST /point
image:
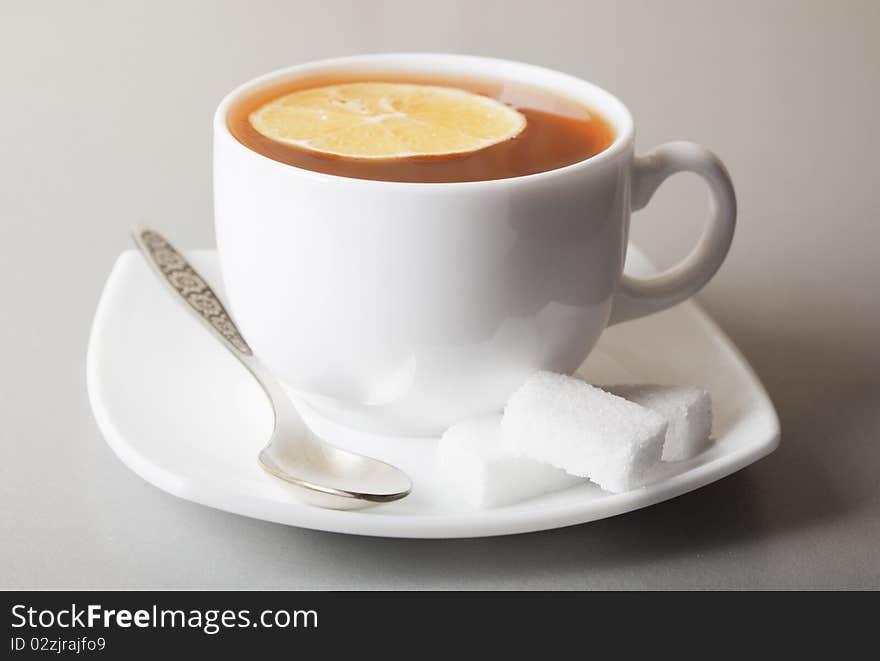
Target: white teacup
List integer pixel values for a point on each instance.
(405, 307)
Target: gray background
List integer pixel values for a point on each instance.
(105, 121)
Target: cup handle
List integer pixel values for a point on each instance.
(637, 297)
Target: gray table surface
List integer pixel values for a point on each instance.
(106, 113)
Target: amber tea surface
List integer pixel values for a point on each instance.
(556, 132)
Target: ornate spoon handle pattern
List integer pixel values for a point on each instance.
(186, 281)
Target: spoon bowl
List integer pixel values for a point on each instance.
(329, 477)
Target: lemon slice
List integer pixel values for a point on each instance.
(387, 120)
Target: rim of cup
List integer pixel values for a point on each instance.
(592, 96)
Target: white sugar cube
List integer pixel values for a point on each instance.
(567, 423)
(480, 471)
(686, 409)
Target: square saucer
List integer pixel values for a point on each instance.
(182, 413)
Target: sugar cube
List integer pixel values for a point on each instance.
(686, 409)
(471, 459)
(565, 422)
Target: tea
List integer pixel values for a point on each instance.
(443, 130)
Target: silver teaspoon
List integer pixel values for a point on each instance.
(324, 475)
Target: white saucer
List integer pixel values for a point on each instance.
(184, 415)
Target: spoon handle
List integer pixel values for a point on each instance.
(181, 278)
(336, 478)
(193, 291)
